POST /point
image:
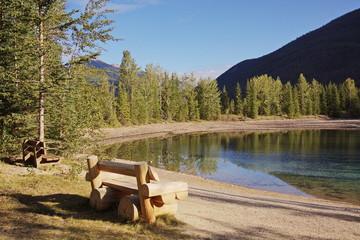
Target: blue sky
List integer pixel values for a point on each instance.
(207, 37)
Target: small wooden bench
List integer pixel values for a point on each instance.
(136, 188)
(35, 153)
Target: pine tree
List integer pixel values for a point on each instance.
(315, 96)
(129, 79)
(238, 107)
(323, 101)
(177, 101)
(288, 101)
(123, 106)
(352, 97)
(252, 99)
(296, 103)
(208, 97)
(189, 85)
(166, 98)
(225, 102)
(18, 68)
(342, 95)
(303, 89)
(333, 103)
(262, 84)
(152, 85)
(275, 96)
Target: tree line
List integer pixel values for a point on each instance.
(268, 96)
(47, 90)
(154, 95)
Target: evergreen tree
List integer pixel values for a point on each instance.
(288, 100)
(18, 68)
(303, 90)
(129, 79)
(251, 98)
(333, 100)
(263, 94)
(352, 97)
(189, 85)
(275, 96)
(209, 99)
(177, 101)
(225, 102)
(123, 106)
(315, 96)
(152, 86)
(342, 95)
(238, 107)
(296, 102)
(323, 101)
(166, 98)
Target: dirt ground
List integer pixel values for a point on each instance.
(216, 210)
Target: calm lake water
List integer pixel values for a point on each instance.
(315, 163)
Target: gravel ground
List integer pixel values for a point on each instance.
(216, 210)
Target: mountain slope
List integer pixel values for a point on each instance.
(330, 53)
(111, 70)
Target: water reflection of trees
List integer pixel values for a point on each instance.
(186, 153)
(299, 141)
(198, 153)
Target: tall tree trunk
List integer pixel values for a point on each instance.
(41, 78)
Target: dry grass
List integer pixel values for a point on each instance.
(56, 206)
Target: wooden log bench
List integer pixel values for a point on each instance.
(135, 187)
(35, 153)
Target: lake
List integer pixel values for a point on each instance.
(314, 163)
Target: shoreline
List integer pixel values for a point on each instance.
(218, 210)
(130, 133)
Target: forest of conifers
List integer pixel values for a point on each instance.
(48, 91)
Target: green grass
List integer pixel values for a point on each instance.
(56, 206)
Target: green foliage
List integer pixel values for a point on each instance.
(288, 107)
(315, 97)
(38, 90)
(303, 89)
(225, 101)
(208, 97)
(266, 96)
(238, 106)
(252, 99)
(189, 85)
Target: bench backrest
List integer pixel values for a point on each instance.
(33, 150)
(141, 171)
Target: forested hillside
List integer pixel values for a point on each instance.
(328, 54)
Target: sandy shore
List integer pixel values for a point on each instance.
(113, 135)
(216, 210)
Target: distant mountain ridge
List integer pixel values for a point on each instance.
(113, 69)
(328, 54)
(103, 65)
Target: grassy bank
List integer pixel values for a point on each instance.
(54, 204)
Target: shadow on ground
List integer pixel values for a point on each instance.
(35, 216)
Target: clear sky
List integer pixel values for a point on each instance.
(207, 37)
